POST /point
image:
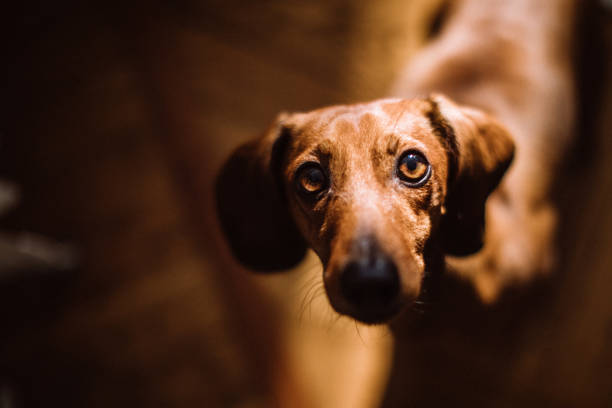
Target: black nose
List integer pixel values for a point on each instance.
(371, 287)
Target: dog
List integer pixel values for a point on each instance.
(391, 191)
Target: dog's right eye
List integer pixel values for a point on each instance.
(413, 168)
(311, 179)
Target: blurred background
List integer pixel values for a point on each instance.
(116, 288)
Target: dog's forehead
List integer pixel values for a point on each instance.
(378, 123)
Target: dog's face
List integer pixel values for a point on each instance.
(379, 191)
(365, 185)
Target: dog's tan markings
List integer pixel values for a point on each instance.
(368, 122)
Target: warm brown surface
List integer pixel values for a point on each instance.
(113, 121)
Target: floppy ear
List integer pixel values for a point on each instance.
(252, 206)
(480, 151)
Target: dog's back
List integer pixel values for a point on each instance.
(514, 60)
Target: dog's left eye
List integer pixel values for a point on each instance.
(311, 179)
(413, 168)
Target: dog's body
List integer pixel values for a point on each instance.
(513, 59)
(384, 191)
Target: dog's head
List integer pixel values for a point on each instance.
(379, 191)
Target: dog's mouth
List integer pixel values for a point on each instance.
(370, 312)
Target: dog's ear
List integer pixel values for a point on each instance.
(252, 206)
(480, 151)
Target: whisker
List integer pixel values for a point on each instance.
(335, 318)
(312, 284)
(359, 333)
(315, 289)
(307, 283)
(316, 293)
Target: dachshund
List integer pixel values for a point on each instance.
(390, 191)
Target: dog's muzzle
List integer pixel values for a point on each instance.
(370, 284)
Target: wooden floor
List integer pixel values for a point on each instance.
(114, 119)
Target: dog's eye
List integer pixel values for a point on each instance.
(311, 179)
(413, 168)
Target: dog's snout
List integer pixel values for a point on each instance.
(371, 286)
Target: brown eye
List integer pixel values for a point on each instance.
(311, 179)
(413, 168)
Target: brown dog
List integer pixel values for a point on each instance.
(383, 191)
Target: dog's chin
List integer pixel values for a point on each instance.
(372, 317)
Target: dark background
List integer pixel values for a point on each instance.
(114, 118)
